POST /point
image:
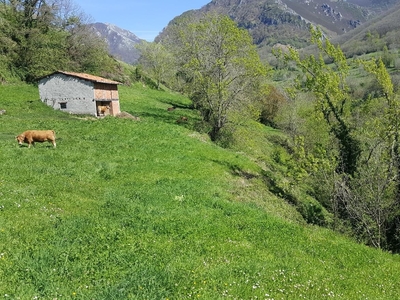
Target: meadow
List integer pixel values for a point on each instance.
(151, 209)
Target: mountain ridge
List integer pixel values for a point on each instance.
(286, 22)
(269, 22)
(121, 42)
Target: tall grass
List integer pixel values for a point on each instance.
(150, 209)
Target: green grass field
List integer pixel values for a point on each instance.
(151, 209)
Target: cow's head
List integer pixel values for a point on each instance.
(20, 139)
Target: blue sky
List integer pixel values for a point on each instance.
(144, 18)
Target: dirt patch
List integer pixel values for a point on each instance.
(125, 115)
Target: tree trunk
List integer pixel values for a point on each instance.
(214, 133)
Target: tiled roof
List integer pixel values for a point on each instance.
(85, 76)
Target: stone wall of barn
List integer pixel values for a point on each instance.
(68, 93)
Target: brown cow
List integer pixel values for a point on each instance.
(182, 119)
(32, 136)
(103, 109)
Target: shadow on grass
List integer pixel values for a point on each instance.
(183, 117)
(236, 170)
(274, 188)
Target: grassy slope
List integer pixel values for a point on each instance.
(149, 209)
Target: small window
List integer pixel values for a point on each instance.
(63, 105)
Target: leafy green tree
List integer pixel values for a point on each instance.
(40, 37)
(156, 61)
(387, 128)
(387, 57)
(219, 66)
(365, 185)
(86, 52)
(271, 100)
(7, 45)
(390, 123)
(28, 23)
(370, 202)
(327, 83)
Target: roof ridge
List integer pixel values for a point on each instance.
(86, 76)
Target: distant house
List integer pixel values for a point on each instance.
(80, 93)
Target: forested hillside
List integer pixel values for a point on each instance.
(285, 22)
(38, 38)
(373, 36)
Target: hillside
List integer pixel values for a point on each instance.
(286, 22)
(151, 209)
(373, 35)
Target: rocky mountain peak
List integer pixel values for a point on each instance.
(121, 42)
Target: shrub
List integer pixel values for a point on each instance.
(270, 105)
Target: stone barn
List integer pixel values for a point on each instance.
(80, 93)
